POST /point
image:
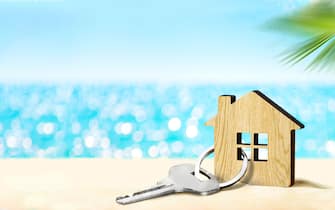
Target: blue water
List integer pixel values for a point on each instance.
(144, 121)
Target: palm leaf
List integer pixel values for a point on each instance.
(315, 18)
(325, 58)
(305, 49)
(318, 22)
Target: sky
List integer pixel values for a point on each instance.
(104, 41)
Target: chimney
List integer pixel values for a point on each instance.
(223, 103)
(226, 100)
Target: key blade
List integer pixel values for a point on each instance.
(153, 192)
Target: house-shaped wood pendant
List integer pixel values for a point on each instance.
(264, 130)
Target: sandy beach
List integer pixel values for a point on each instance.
(93, 184)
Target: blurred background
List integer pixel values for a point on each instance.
(138, 79)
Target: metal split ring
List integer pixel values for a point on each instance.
(237, 178)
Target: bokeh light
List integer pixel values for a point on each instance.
(145, 121)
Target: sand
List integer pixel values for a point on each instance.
(93, 184)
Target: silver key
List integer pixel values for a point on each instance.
(180, 179)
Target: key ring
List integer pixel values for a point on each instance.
(237, 178)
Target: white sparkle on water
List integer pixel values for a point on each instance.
(126, 128)
(153, 151)
(105, 143)
(27, 143)
(157, 135)
(136, 153)
(78, 149)
(12, 142)
(139, 114)
(174, 124)
(106, 153)
(90, 141)
(163, 148)
(330, 147)
(192, 131)
(177, 147)
(118, 154)
(197, 112)
(46, 128)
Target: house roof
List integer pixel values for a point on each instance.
(279, 108)
(273, 104)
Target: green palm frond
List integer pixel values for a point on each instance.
(301, 51)
(316, 21)
(326, 58)
(313, 19)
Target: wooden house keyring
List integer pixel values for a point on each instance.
(264, 130)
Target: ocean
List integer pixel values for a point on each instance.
(144, 120)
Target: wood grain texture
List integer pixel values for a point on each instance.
(254, 113)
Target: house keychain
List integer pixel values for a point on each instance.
(254, 124)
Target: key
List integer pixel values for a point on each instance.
(180, 179)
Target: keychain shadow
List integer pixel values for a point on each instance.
(297, 182)
(308, 183)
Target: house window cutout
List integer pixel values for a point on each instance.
(243, 138)
(261, 139)
(261, 154)
(256, 149)
(247, 152)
